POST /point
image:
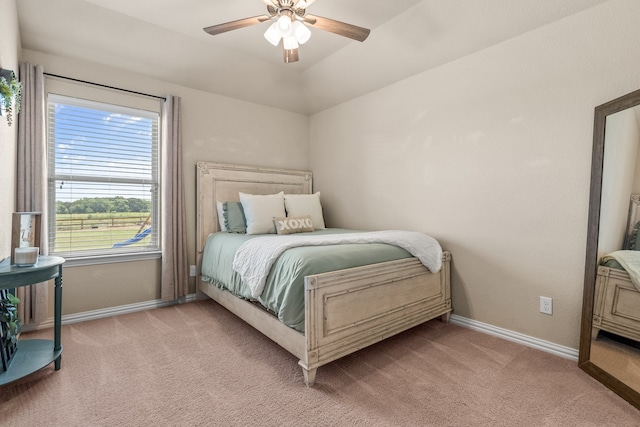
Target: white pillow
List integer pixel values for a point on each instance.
(260, 211)
(220, 209)
(305, 204)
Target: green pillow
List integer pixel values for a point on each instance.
(234, 218)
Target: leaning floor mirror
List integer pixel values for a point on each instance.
(610, 329)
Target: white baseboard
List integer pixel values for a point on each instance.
(549, 347)
(108, 312)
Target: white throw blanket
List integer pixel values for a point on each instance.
(254, 258)
(630, 261)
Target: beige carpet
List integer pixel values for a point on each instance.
(197, 364)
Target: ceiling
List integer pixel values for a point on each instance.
(164, 40)
(189, 17)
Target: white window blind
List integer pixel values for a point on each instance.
(103, 178)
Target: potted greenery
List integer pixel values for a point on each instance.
(10, 94)
(10, 326)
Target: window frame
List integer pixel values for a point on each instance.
(105, 255)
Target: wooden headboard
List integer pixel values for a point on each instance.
(223, 182)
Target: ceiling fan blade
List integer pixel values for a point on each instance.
(347, 30)
(234, 25)
(290, 55)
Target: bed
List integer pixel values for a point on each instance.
(617, 298)
(344, 310)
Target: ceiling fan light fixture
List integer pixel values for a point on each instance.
(290, 43)
(285, 26)
(301, 32)
(272, 35)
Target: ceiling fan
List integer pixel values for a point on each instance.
(290, 21)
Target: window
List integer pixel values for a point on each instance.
(103, 178)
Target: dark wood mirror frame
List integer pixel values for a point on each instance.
(601, 112)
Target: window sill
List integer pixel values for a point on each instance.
(111, 259)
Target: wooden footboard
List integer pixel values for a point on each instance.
(350, 309)
(617, 304)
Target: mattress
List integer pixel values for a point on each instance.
(284, 289)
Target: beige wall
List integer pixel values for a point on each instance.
(9, 51)
(215, 128)
(96, 287)
(491, 155)
(619, 169)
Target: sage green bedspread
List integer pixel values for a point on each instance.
(284, 290)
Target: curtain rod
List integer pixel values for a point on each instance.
(105, 86)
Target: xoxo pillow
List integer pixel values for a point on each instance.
(293, 224)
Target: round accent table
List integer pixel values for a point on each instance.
(33, 355)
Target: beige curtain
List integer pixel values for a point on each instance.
(175, 278)
(32, 178)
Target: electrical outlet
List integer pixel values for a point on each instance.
(192, 271)
(546, 305)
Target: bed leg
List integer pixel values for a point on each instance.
(594, 333)
(445, 317)
(309, 376)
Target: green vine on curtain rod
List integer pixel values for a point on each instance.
(10, 94)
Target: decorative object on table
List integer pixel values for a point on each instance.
(10, 326)
(25, 233)
(10, 94)
(27, 257)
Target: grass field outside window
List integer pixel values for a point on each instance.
(99, 231)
